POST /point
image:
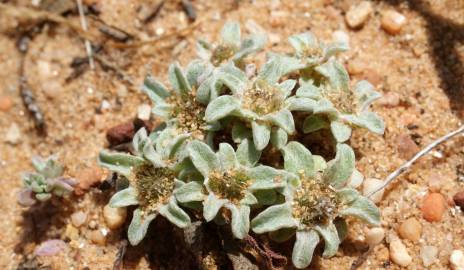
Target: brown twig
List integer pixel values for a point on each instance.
(119, 261)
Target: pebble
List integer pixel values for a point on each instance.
(71, 232)
(458, 199)
(13, 135)
(144, 112)
(356, 179)
(355, 67)
(341, 36)
(97, 237)
(274, 38)
(435, 181)
(78, 218)
(114, 217)
(371, 184)
(392, 22)
(88, 177)
(399, 254)
(374, 236)
(410, 229)
(406, 147)
(50, 247)
(428, 255)
(357, 15)
(389, 100)
(372, 76)
(457, 260)
(433, 207)
(6, 103)
(93, 224)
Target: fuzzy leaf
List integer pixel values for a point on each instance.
(268, 178)
(319, 163)
(221, 107)
(240, 132)
(330, 235)
(287, 86)
(261, 135)
(368, 120)
(155, 90)
(274, 218)
(302, 42)
(363, 209)
(271, 71)
(203, 157)
(139, 226)
(178, 80)
(314, 123)
(335, 48)
(306, 242)
(342, 228)
(124, 198)
(118, 162)
(232, 77)
(162, 110)
(248, 199)
(340, 131)
(282, 235)
(284, 120)
(365, 94)
(139, 140)
(203, 49)
(279, 138)
(336, 74)
(265, 196)
(211, 207)
(356, 179)
(226, 155)
(287, 64)
(247, 154)
(250, 45)
(198, 71)
(150, 154)
(174, 147)
(175, 214)
(324, 106)
(302, 104)
(230, 33)
(297, 159)
(347, 195)
(240, 220)
(340, 169)
(203, 94)
(190, 192)
(309, 91)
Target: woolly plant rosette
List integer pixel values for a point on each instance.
(155, 187)
(318, 206)
(231, 182)
(45, 182)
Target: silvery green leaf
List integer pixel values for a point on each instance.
(203, 49)
(162, 110)
(336, 74)
(341, 168)
(221, 107)
(279, 138)
(213, 126)
(150, 154)
(198, 71)
(211, 206)
(287, 86)
(139, 140)
(306, 242)
(38, 162)
(203, 157)
(283, 119)
(330, 235)
(247, 154)
(271, 71)
(49, 167)
(189, 192)
(297, 159)
(342, 228)
(261, 135)
(124, 198)
(324, 106)
(230, 33)
(319, 163)
(248, 199)
(274, 218)
(365, 94)
(334, 48)
(250, 45)
(282, 235)
(175, 146)
(178, 80)
(287, 64)
(356, 179)
(175, 214)
(118, 162)
(232, 77)
(43, 196)
(139, 226)
(155, 90)
(203, 94)
(240, 132)
(227, 158)
(301, 104)
(302, 42)
(240, 220)
(363, 209)
(347, 195)
(265, 196)
(164, 136)
(340, 131)
(309, 91)
(368, 120)
(314, 123)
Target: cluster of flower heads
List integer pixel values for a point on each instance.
(220, 117)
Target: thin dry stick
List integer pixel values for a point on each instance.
(421, 153)
(88, 47)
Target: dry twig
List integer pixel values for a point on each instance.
(88, 47)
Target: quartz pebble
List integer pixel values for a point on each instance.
(374, 236)
(458, 199)
(411, 229)
(371, 184)
(71, 232)
(143, 112)
(114, 217)
(357, 15)
(399, 254)
(341, 36)
(13, 135)
(78, 218)
(457, 260)
(6, 103)
(97, 237)
(428, 255)
(392, 22)
(433, 207)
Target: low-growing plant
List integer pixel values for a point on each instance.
(45, 183)
(220, 126)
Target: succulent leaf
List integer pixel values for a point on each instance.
(203, 157)
(261, 135)
(221, 107)
(211, 207)
(298, 159)
(340, 131)
(330, 235)
(274, 218)
(172, 212)
(118, 162)
(306, 242)
(240, 220)
(139, 226)
(124, 198)
(341, 168)
(247, 154)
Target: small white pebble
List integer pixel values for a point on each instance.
(78, 218)
(457, 260)
(144, 111)
(399, 254)
(341, 36)
(114, 217)
(357, 15)
(428, 255)
(374, 236)
(159, 31)
(13, 135)
(370, 185)
(356, 179)
(105, 105)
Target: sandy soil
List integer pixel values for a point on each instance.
(423, 65)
